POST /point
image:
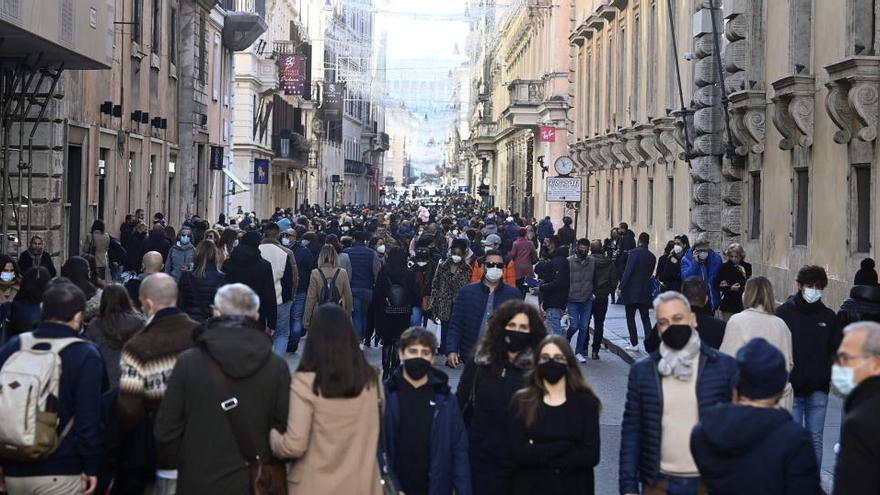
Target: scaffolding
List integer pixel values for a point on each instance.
(26, 91)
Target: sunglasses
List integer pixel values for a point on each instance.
(494, 265)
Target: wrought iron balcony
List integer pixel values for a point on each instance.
(291, 149)
(245, 22)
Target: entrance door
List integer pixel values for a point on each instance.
(74, 198)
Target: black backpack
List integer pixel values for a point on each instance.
(397, 303)
(329, 293)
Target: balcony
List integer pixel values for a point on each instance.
(484, 136)
(355, 167)
(291, 150)
(245, 22)
(383, 141)
(525, 98)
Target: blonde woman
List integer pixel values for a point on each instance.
(758, 320)
(328, 273)
(732, 278)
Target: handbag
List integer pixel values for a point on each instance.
(389, 486)
(266, 477)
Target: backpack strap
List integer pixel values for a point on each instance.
(335, 274)
(29, 341)
(323, 278)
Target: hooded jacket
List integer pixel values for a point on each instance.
(641, 429)
(815, 337)
(246, 266)
(190, 423)
(741, 449)
(554, 288)
(449, 465)
(179, 256)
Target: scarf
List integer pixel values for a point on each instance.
(679, 364)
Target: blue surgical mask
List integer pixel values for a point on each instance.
(812, 295)
(184, 240)
(703, 255)
(843, 379)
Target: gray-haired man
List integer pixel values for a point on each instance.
(232, 359)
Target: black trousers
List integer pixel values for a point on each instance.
(600, 309)
(631, 321)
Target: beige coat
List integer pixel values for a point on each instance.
(101, 245)
(333, 441)
(752, 323)
(315, 286)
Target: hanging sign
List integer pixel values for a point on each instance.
(548, 134)
(216, 157)
(292, 71)
(261, 171)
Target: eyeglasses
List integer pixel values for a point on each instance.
(494, 265)
(843, 358)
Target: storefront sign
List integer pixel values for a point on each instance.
(292, 71)
(548, 134)
(333, 98)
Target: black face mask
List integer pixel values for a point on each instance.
(517, 341)
(416, 368)
(677, 336)
(552, 371)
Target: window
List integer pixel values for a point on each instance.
(649, 203)
(137, 20)
(608, 199)
(636, 70)
(619, 200)
(609, 83)
(172, 36)
(217, 76)
(156, 39)
(671, 76)
(670, 201)
(596, 200)
(802, 206)
(620, 87)
(755, 207)
(202, 50)
(634, 214)
(863, 209)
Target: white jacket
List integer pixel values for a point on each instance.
(278, 259)
(753, 323)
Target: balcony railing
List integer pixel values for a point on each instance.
(245, 22)
(354, 167)
(486, 130)
(290, 149)
(246, 6)
(526, 93)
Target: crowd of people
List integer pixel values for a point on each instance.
(155, 362)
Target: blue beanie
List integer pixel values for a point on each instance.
(762, 370)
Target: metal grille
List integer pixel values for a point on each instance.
(67, 21)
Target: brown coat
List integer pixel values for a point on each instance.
(101, 245)
(333, 440)
(315, 285)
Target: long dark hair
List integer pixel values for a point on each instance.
(4, 259)
(115, 306)
(669, 246)
(33, 284)
(332, 352)
(527, 400)
(76, 269)
(395, 264)
(492, 342)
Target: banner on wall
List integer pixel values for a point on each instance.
(261, 171)
(293, 74)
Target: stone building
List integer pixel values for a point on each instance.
(788, 168)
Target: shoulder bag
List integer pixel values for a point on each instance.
(267, 477)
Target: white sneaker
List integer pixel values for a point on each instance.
(580, 358)
(634, 348)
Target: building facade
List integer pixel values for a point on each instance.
(784, 165)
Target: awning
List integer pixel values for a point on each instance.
(238, 183)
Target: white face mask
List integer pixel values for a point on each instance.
(812, 295)
(843, 379)
(380, 249)
(455, 258)
(494, 274)
(285, 241)
(7, 276)
(677, 249)
(422, 263)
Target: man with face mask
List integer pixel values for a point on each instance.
(666, 396)
(857, 376)
(474, 305)
(180, 256)
(703, 262)
(815, 336)
(425, 437)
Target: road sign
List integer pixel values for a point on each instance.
(548, 134)
(563, 189)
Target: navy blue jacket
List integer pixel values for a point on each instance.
(815, 337)
(362, 258)
(545, 229)
(641, 429)
(80, 390)
(635, 284)
(758, 451)
(305, 263)
(467, 314)
(555, 282)
(450, 468)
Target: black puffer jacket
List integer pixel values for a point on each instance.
(247, 267)
(197, 294)
(554, 289)
(110, 334)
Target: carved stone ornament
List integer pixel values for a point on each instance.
(608, 154)
(618, 150)
(664, 130)
(794, 110)
(594, 148)
(853, 100)
(648, 144)
(748, 119)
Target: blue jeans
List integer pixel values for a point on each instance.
(418, 318)
(297, 309)
(554, 320)
(361, 298)
(809, 412)
(579, 321)
(675, 485)
(282, 329)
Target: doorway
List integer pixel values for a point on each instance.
(74, 198)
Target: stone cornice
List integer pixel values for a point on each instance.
(748, 112)
(794, 110)
(853, 100)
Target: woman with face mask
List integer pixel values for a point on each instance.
(504, 354)
(97, 243)
(732, 278)
(394, 296)
(422, 271)
(554, 434)
(452, 274)
(669, 265)
(10, 278)
(181, 254)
